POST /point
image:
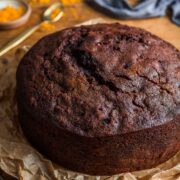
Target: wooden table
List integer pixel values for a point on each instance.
(79, 12)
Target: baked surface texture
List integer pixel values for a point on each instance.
(101, 99)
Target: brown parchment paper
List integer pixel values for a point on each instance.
(19, 159)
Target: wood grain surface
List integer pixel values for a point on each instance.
(78, 12)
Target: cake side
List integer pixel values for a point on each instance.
(101, 80)
(103, 155)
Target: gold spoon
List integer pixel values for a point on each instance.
(47, 17)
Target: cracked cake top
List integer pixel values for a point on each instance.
(101, 80)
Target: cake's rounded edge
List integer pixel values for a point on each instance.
(134, 151)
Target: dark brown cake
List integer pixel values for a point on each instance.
(101, 99)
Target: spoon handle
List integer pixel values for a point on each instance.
(18, 39)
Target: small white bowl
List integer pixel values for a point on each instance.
(21, 20)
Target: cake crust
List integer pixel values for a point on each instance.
(101, 99)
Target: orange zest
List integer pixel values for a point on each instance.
(37, 2)
(55, 13)
(10, 13)
(46, 26)
(70, 2)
